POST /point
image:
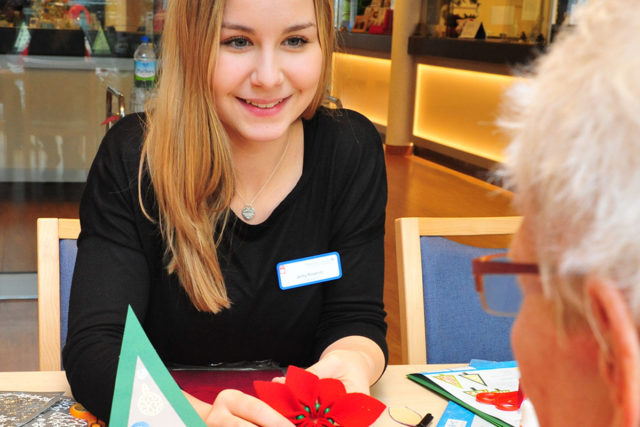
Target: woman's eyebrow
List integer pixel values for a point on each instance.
(299, 27)
(244, 28)
(238, 27)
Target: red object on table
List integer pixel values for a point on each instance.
(206, 384)
(309, 401)
(509, 401)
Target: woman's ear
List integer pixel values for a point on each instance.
(620, 360)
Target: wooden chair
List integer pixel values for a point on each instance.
(438, 326)
(56, 258)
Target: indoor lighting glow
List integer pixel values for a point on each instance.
(362, 84)
(458, 108)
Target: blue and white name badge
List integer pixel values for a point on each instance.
(310, 270)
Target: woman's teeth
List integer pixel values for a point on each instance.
(255, 104)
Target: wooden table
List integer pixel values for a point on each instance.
(393, 389)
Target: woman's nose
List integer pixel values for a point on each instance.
(268, 70)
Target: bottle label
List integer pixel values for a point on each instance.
(145, 70)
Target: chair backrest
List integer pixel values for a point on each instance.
(441, 317)
(57, 251)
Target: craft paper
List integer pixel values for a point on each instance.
(307, 401)
(456, 416)
(18, 408)
(205, 384)
(145, 394)
(462, 385)
(58, 415)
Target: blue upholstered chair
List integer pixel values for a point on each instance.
(57, 252)
(441, 316)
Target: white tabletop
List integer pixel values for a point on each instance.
(393, 389)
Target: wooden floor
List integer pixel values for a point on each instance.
(416, 188)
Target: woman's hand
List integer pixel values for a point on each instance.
(345, 366)
(235, 408)
(356, 361)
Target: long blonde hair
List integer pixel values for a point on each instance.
(186, 150)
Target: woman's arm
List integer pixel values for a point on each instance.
(111, 269)
(351, 336)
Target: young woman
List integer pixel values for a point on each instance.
(188, 211)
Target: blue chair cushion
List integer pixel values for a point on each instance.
(457, 328)
(68, 253)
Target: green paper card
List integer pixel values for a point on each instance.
(145, 394)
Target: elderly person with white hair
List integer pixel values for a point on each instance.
(574, 164)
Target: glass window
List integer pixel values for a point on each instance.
(364, 16)
(504, 20)
(78, 28)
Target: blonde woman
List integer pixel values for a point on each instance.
(188, 211)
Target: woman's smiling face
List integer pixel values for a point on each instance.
(268, 67)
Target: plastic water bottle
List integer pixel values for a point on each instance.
(144, 79)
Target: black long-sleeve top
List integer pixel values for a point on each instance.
(337, 205)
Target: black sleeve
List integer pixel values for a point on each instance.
(111, 269)
(354, 305)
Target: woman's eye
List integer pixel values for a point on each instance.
(295, 41)
(237, 42)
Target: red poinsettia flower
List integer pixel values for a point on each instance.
(308, 401)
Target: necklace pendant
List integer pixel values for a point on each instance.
(248, 212)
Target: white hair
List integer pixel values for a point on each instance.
(574, 159)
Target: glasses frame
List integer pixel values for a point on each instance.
(486, 265)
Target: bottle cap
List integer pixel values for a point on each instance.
(145, 39)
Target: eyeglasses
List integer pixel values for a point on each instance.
(496, 283)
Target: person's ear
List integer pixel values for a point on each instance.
(620, 361)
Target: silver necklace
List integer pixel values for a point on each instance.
(248, 211)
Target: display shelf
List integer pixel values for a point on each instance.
(495, 52)
(377, 45)
(422, 146)
(46, 62)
